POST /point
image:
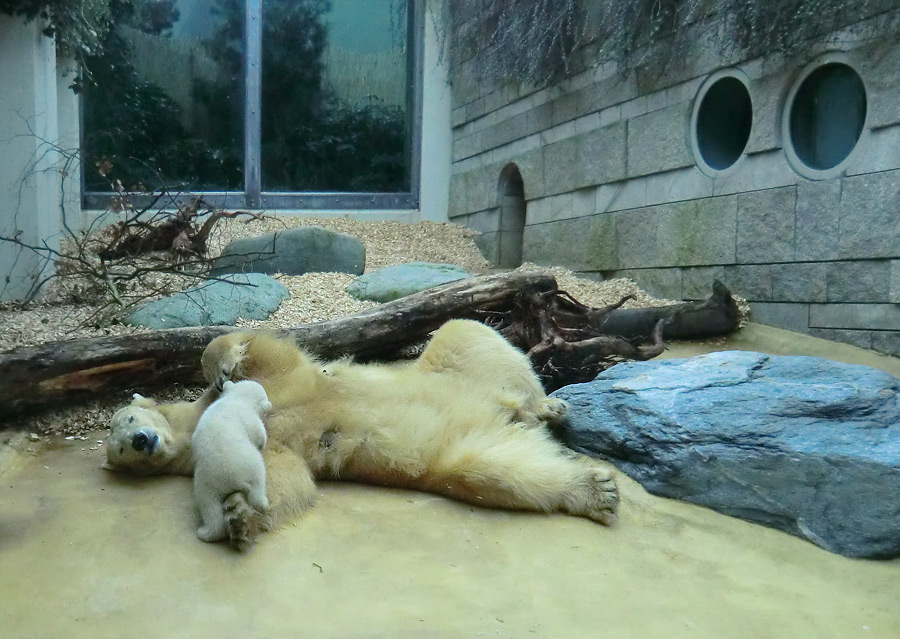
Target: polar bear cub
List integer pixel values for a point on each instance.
(226, 447)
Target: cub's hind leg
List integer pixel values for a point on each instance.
(524, 469)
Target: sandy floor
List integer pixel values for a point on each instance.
(84, 553)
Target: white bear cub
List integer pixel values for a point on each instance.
(227, 459)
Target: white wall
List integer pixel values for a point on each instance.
(29, 179)
(437, 138)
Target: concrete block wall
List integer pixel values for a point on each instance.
(613, 189)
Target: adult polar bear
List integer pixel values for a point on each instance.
(463, 420)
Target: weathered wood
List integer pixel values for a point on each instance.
(567, 341)
(49, 374)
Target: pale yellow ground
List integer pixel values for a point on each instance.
(87, 554)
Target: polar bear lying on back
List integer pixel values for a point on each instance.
(227, 459)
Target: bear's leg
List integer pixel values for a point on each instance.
(257, 493)
(212, 516)
(524, 469)
(289, 490)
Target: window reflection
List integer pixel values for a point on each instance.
(334, 96)
(167, 111)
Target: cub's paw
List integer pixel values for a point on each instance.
(240, 520)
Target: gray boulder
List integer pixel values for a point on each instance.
(214, 303)
(398, 281)
(802, 444)
(305, 249)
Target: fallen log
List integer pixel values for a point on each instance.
(49, 374)
(567, 341)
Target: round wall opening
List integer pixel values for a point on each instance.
(721, 123)
(512, 217)
(827, 114)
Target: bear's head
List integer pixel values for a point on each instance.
(141, 440)
(248, 391)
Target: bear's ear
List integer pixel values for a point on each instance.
(228, 384)
(139, 400)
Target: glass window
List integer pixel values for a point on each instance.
(278, 103)
(167, 110)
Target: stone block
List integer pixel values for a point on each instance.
(684, 92)
(483, 221)
(580, 244)
(601, 155)
(767, 97)
(584, 202)
(880, 66)
(587, 123)
(879, 150)
(752, 282)
(458, 117)
(678, 185)
(658, 141)
(696, 283)
(870, 216)
(879, 317)
(560, 132)
(624, 195)
(664, 283)
(455, 206)
(504, 132)
(657, 101)
(564, 108)
(863, 339)
(634, 108)
(864, 281)
(489, 245)
(561, 206)
(894, 294)
(791, 317)
(817, 221)
(610, 115)
(799, 282)
(765, 226)
(467, 146)
(538, 211)
(699, 232)
(757, 171)
(539, 119)
(607, 92)
(562, 168)
(531, 168)
(886, 342)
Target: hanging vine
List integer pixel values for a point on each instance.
(543, 41)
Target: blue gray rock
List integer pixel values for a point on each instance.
(399, 281)
(802, 444)
(305, 249)
(214, 303)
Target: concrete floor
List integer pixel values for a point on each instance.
(84, 553)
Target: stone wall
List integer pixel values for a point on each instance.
(614, 187)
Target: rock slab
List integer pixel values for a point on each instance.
(214, 303)
(802, 444)
(306, 249)
(398, 281)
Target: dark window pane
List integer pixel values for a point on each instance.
(167, 110)
(335, 113)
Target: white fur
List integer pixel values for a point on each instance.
(227, 458)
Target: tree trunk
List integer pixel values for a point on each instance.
(567, 341)
(56, 372)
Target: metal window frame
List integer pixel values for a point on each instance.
(253, 197)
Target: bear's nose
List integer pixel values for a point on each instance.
(139, 441)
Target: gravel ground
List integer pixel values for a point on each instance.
(314, 297)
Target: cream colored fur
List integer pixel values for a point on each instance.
(462, 420)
